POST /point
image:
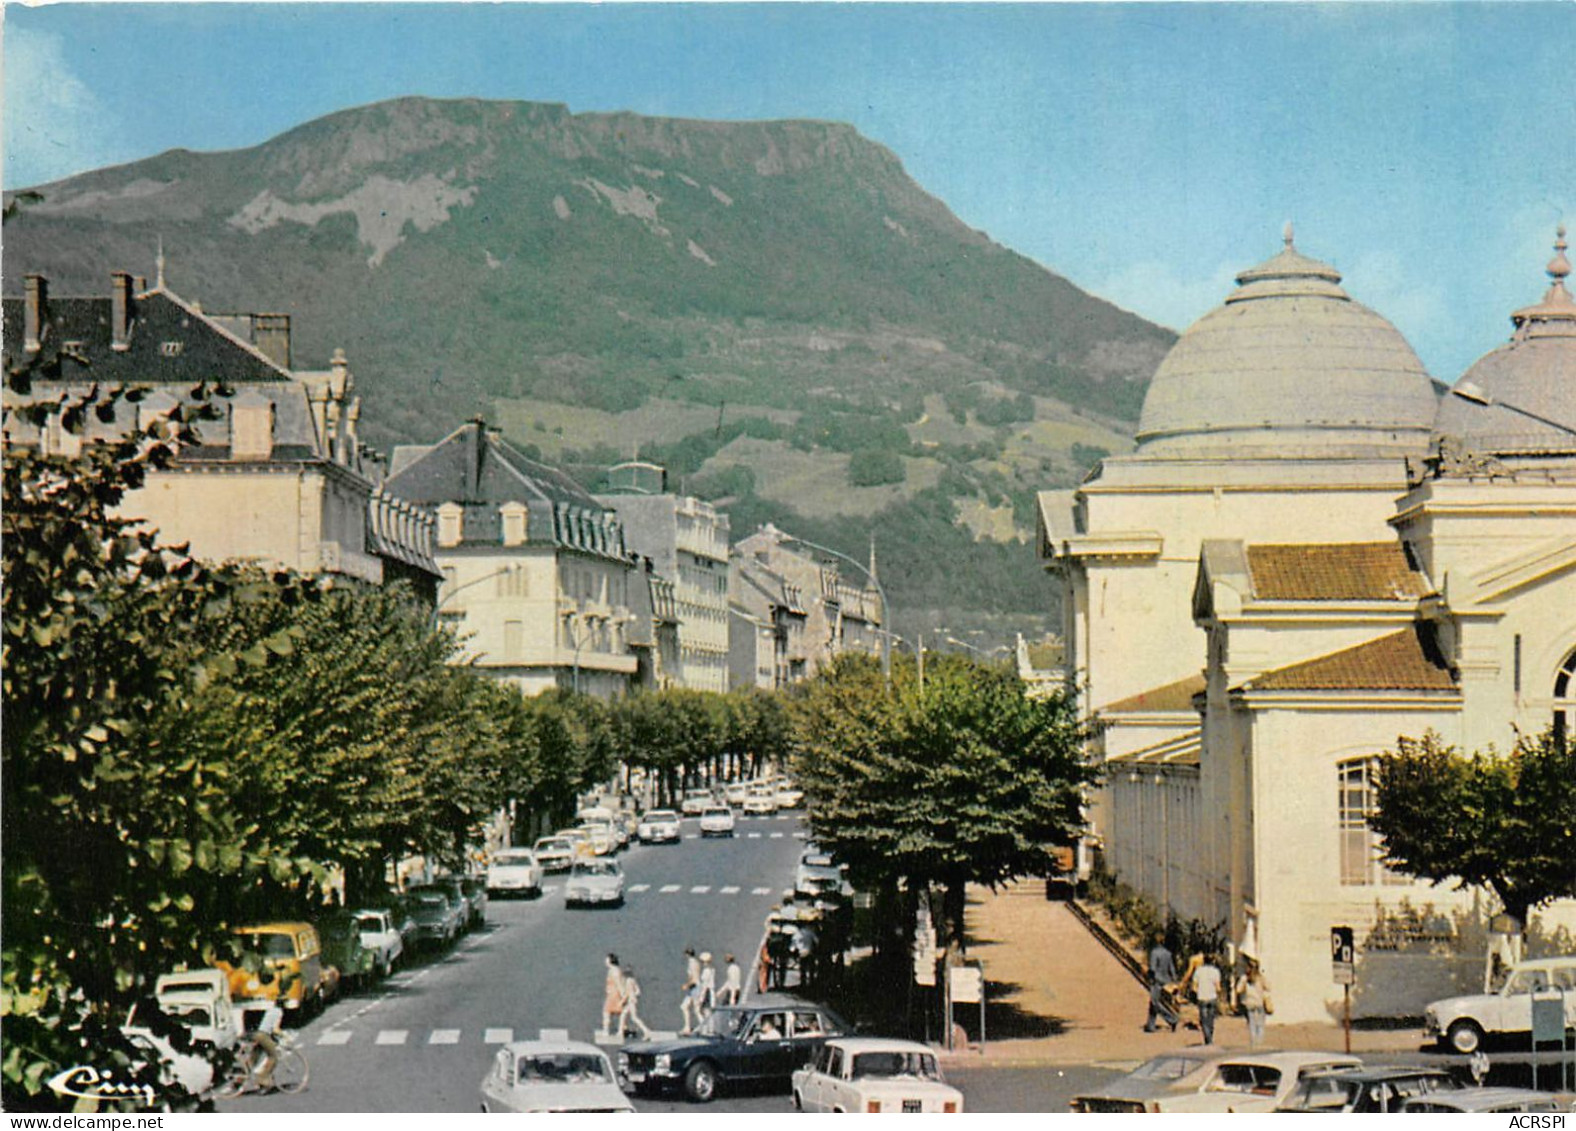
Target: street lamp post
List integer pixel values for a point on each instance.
(1471, 391)
(886, 630)
(980, 652)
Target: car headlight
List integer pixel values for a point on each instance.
(663, 1062)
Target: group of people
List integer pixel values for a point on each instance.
(1204, 980)
(701, 994)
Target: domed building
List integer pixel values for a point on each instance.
(1311, 552)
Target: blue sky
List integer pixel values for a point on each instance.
(1147, 152)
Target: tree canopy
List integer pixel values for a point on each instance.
(1503, 821)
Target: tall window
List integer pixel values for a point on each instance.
(1360, 861)
(1565, 700)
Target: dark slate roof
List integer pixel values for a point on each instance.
(480, 470)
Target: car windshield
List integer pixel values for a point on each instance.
(724, 1023)
(596, 868)
(1526, 981)
(431, 899)
(879, 1064)
(1259, 1079)
(513, 859)
(563, 1068)
(1321, 1093)
(715, 812)
(662, 815)
(555, 844)
(1165, 1068)
(272, 946)
(371, 921)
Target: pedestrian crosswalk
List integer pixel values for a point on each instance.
(340, 1037)
(679, 889)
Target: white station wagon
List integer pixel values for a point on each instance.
(1460, 1024)
(543, 1076)
(872, 1074)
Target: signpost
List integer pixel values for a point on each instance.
(1548, 1027)
(1343, 958)
(966, 984)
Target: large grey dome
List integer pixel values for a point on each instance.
(1521, 398)
(1289, 367)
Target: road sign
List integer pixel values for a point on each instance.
(967, 984)
(1343, 956)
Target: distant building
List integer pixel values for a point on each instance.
(1310, 553)
(780, 582)
(280, 478)
(686, 542)
(537, 579)
(767, 644)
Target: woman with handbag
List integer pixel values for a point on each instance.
(1253, 996)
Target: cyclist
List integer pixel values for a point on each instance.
(265, 1036)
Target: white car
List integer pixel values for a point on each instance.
(735, 792)
(716, 820)
(760, 804)
(695, 802)
(547, 1076)
(554, 853)
(1459, 1024)
(871, 1074)
(600, 838)
(1253, 1082)
(658, 825)
(787, 797)
(514, 871)
(380, 934)
(594, 881)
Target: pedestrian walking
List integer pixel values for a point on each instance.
(688, 1004)
(612, 995)
(763, 965)
(732, 981)
(629, 1014)
(1206, 991)
(708, 984)
(1253, 995)
(1162, 973)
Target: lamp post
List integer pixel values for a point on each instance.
(1471, 391)
(458, 589)
(886, 631)
(980, 652)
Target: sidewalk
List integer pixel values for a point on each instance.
(1059, 997)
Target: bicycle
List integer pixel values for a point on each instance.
(291, 1070)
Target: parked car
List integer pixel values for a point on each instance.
(438, 918)
(871, 1074)
(454, 890)
(552, 1076)
(761, 1041)
(695, 802)
(735, 792)
(760, 803)
(475, 890)
(1162, 1081)
(554, 853)
(1483, 1101)
(1370, 1089)
(716, 820)
(658, 826)
(788, 796)
(514, 871)
(602, 817)
(1460, 1024)
(818, 873)
(281, 962)
(594, 881)
(381, 935)
(199, 1000)
(344, 952)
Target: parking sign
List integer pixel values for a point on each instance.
(1343, 956)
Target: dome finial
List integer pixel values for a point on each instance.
(1559, 267)
(1286, 235)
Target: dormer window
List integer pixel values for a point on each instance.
(252, 427)
(514, 523)
(449, 524)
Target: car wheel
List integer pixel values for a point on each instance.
(1464, 1036)
(700, 1082)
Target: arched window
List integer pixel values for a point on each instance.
(1360, 855)
(1565, 700)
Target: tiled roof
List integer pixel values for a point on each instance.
(1359, 571)
(1403, 661)
(1176, 696)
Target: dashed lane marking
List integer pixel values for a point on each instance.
(760, 891)
(729, 890)
(669, 889)
(639, 887)
(444, 1037)
(753, 836)
(700, 889)
(335, 1037)
(775, 836)
(391, 1037)
(498, 1036)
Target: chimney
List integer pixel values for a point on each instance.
(36, 313)
(271, 335)
(120, 310)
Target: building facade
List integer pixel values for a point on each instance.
(279, 478)
(686, 540)
(1312, 552)
(537, 580)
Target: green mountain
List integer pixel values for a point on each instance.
(774, 309)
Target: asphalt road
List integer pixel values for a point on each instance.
(423, 1040)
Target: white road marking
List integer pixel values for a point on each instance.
(335, 1037)
(753, 836)
(775, 836)
(701, 889)
(760, 891)
(669, 889)
(444, 1037)
(731, 889)
(639, 887)
(498, 1036)
(392, 1037)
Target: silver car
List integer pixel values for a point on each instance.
(597, 881)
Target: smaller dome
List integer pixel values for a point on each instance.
(1521, 398)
